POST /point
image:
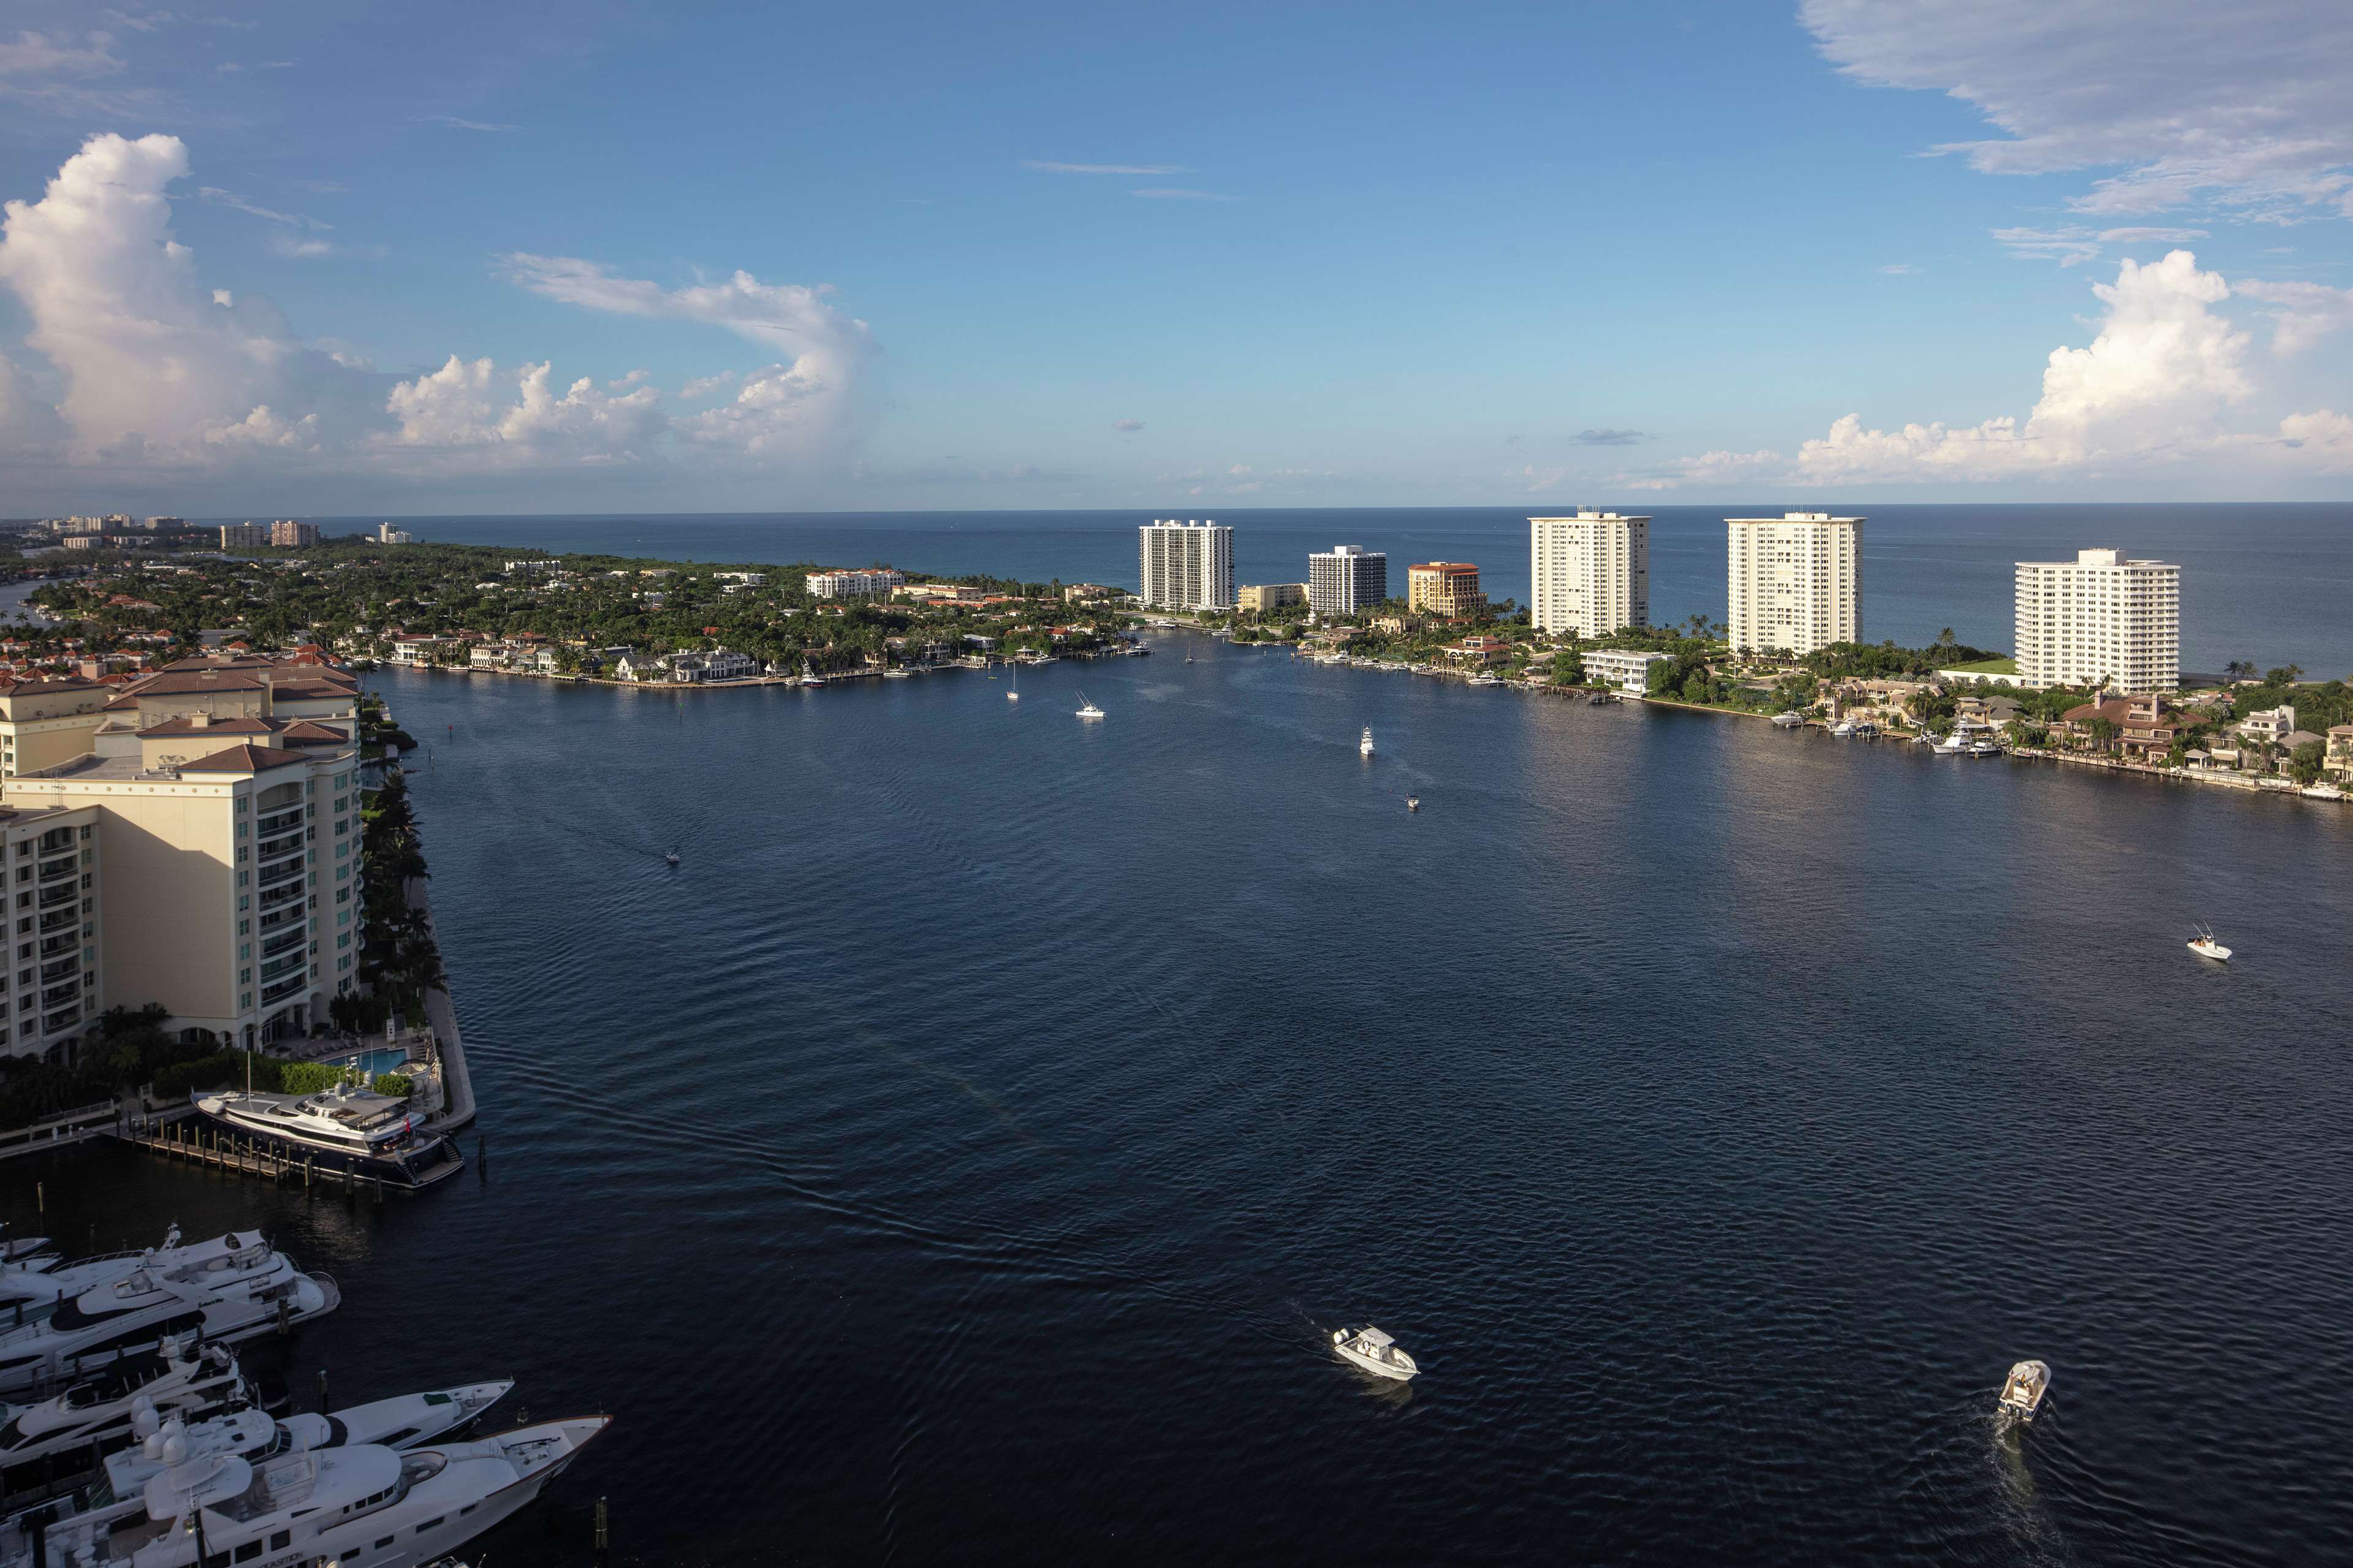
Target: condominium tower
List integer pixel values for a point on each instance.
(1591, 573)
(1187, 566)
(2100, 619)
(1795, 581)
(1345, 580)
(1446, 588)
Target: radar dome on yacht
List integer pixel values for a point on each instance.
(145, 1423)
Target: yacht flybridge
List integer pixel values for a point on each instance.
(349, 1126)
(98, 1415)
(230, 1287)
(365, 1503)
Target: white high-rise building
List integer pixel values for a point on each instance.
(1796, 581)
(1591, 573)
(2100, 619)
(1345, 580)
(1187, 566)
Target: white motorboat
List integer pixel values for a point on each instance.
(2204, 945)
(1953, 745)
(671, 857)
(2022, 1392)
(2322, 792)
(1088, 710)
(1374, 1351)
(1788, 721)
(895, 673)
(1413, 803)
(1364, 746)
(1844, 728)
(34, 1283)
(361, 1502)
(1014, 693)
(97, 1415)
(1984, 748)
(348, 1128)
(230, 1287)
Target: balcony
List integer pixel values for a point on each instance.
(58, 919)
(278, 821)
(55, 1021)
(290, 987)
(61, 892)
(51, 870)
(278, 897)
(270, 848)
(53, 945)
(293, 963)
(59, 996)
(272, 946)
(59, 968)
(282, 873)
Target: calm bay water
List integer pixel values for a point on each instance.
(2268, 583)
(963, 1155)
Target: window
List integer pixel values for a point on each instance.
(386, 1542)
(281, 1540)
(429, 1524)
(244, 950)
(247, 1552)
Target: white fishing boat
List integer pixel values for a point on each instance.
(1788, 721)
(348, 1128)
(1984, 748)
(1842, 728)
(1413, 803)
(1374, 1351)
(2322, 792)
(2022, 1392)
(383, 1507)
(1088, 710)
(1364, 746)
(230, 1287)
(1013, 693)
(1953, 745)
(2204, 945)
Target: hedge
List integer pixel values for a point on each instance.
(226, 1069)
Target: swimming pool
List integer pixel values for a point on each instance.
(374, 1062)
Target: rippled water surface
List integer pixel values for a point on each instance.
(964, 1154)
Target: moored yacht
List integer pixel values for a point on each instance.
(365, 1504)
(1788, 721)
(97, 1415)
(230, 1287)
(348, 1128)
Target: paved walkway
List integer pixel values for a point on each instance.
(458, 1107)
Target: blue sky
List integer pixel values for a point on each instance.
(307, 259)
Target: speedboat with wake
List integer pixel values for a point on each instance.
(1372, 1350)
(2203, 944)
(2023, 1390)
(348, 1128)
(229, 1288)
(1364, 746)
(364, 1503)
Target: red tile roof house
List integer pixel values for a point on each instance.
(2145, 726)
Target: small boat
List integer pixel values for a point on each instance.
(1188, 658)
(2322, 792)
(1014, 693)
(2204, 945)
(1842, 728)
(1953, 745)
(895, 674)
(2022, 1394)
(1413, 803)
(1788, 721)
(1985, 748)
(671, 856)
(1088, 710)
(1375, 1351)
(1364, 746)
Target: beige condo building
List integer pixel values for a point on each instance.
(1589, 573)
(53, 983)
(1795, 582)
(225, 796)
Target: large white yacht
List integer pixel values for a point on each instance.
(366, 1505)
(230, 1287)
(347, 1128)
(31, 1285)
(97, 1415)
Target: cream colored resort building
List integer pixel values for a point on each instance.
(1589, 573)
(2100, 619)
(1795, 582)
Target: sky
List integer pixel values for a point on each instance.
(426, 258)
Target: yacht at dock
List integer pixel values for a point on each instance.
(97, 1415)
(348, 1128)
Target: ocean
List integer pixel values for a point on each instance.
(2271, 584)
(966, 1153)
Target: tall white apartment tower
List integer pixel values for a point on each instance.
(1344, 580)
(1590, 573)
(2100, 619)
(1187, 566)
(1796, 581)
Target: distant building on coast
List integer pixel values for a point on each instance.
(1261, 597)
(1447, 589)
(2099, 620)
(1589, 573)
(1627, 670)
(290, 535)
(1186, 565)
(1796, 581)
(244, 535)
(388, 534)
(868, 583)
(1347, 580)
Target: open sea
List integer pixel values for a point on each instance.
(964, 1154)
(2269, 582)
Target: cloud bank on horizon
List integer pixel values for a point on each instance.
(2132, 159)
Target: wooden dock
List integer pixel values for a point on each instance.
(195, 1142)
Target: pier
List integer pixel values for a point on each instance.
(185, 1138)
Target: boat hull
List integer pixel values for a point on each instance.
(415, 1170)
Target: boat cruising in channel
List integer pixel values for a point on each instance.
(1372, 1350)
(1364, 746)
(230, 1287)
(2203, 944)
(2023, 1390)
(348, 1128)
(367, 1504)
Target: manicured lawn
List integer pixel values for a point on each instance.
(1987, 666)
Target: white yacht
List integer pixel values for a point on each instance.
(348, 1128)
(31, 1285)
(96, 1415)
(1364, 746)
(367, 1504)
(1953, 745)
(1788, 721)
(1088, 710)
(1984, 748)
(230, 1287)
(2322, 792)
(2204, 945)
(1842, 728)
(1375, 1351)
(2022, 1392)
